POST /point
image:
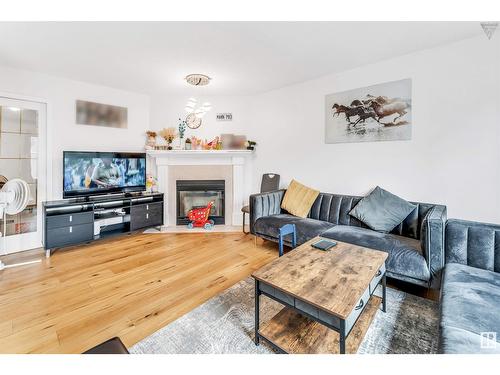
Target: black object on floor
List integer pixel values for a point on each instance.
(112, 346)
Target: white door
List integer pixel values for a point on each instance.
(23, 155)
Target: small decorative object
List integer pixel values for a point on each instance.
(239, 142)
(168, 134)
(212, 145)
(380, 112)
(195, 143)
(196, 112)
(193, 121)
(150, 183)
(98, 114)
(227, 141)
(199, 217)
(151, 140)
(187, 145)
(250, 145)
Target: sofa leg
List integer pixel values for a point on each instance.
(244, 224)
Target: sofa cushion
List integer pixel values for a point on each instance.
(470, 302)
(382, 211)
(299, 199)
(405, 254)
(305, 228)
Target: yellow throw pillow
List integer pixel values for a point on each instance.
(299, 199)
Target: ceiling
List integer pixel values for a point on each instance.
(243, 58)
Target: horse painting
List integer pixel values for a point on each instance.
(379, 112)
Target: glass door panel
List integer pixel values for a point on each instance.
(22, 131)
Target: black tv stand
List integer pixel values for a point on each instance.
(70, 222)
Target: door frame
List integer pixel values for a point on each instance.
(27, 241)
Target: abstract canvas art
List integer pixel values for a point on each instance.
(90, 113)
(375, 113)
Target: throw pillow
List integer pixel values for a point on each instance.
(381, 210)
(299, 199)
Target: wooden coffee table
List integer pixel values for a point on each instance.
(328, 297)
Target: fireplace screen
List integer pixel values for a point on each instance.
(198, 193)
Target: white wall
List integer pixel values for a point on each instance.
(166, 111)
(64, 134)
(453, 157)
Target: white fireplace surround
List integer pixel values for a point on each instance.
(237, 159)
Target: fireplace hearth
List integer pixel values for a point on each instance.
(197, 193)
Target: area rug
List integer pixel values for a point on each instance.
(225, 323)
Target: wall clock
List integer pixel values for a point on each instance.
(192, 121)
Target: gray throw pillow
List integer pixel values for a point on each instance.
(381, 210)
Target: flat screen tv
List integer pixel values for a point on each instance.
(96, 173)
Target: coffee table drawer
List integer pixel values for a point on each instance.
(360, 306)
(378, 276)
(277, 294)
(317, 313)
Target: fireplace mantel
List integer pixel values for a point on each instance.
(167, 153)
(235, 158)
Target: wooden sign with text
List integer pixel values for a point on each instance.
(224, 117)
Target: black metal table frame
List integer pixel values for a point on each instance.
(341, 331)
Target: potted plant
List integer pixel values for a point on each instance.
(250, 145)
(182, 130)
(187, 145)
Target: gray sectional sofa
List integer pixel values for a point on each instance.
(470, 294)
(415, 247)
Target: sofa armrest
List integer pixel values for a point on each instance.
(432, 235)
(264, 204)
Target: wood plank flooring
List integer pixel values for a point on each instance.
(128, 287)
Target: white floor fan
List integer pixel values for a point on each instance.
(14, 198)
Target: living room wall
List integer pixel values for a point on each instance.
(167, 109)
(63, 132)
(453, 156)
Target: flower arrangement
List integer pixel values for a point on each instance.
(168, 134)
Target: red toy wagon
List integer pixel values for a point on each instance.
(199, 217)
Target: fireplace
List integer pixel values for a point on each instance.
(197, 193)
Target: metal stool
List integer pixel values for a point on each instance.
(284, 231)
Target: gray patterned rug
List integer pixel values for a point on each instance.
(224, 324)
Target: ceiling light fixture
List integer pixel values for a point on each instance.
(198, 79)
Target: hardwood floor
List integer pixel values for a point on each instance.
(128, 287)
